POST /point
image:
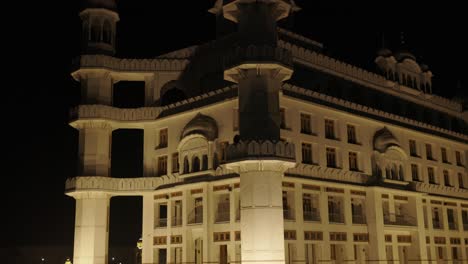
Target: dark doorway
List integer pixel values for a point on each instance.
(129, 94)
(127, 153)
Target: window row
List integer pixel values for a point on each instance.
(444, 155)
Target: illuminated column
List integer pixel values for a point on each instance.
(375, 226)
(262, 226)
(150, 83)
(91, 228)
(96, 86)
(147, 229)
(94, 148)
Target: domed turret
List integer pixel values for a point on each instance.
(384, 139)
(99, 19)
(201, 124)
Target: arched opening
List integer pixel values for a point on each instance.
(172, 96)
(195, 164)
(127, 153)
(107, 32)
(129, 94)
(205, 162)
(186, 165)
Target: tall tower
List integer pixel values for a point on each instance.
(259, 67)
(99, 19)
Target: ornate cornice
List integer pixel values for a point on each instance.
(113, 113)
(439, 189)
(369, 110)
(108, 184)
(267, 150)
(93, 124)
(257, 55)
(325, 173)
(128, 65)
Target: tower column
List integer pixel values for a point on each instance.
(94, 149)
(91, 228)
(96, 87)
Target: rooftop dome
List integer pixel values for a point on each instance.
(384, 52)
(384, 139)
(107, 4)
(424, 67)
(404, 54)
(201, 124)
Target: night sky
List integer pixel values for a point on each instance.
(41, 148)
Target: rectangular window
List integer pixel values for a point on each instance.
(414, 172)
(331, 157)
(353, 161)
(443, 152)
(429, 152)
(446, 178)
(306, 127)
(460, 180)
(283, 118)
(338, 236)
(221, 236)
(431, 175)
(329, 129)
(162, 165)
(458, 157)
(306, 153)
(351, 134)
(290, 234)
(163, 138)
(175, 162)
(310, 235)
(413, 151)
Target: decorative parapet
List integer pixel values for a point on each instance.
(251, 150)
(109, 184)
(334, 66)
(325, 173)
(106, 112)
(369, 110)
(113, 113)
(132, 65)
(299, 37)
(257, 55)
(438, 189)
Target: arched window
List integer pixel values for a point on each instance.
(186, 165)
(95, 32)
(394, 173)
(401, 174)
(195, 164)
(396, 77)
(415, 84)
(409, 82)
(390, 75)
(107, 32)
(205, 162)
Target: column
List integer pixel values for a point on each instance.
(91, 228)
(150, 83)
(96, 88)
(147, 229)
(94, 149)
(375, 226)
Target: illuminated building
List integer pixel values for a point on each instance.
(260, 148)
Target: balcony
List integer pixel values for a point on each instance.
(359, 219)
(337, 218)
(160, 223)
(176, 221)
(288, 214)
(196, 216)
(312, 216)
(401, 220)
(436, 224)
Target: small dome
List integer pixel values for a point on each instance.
(107, 4)
(201, 124)
(384, 139)
(404, 54)
(424, 67)
(384, 52)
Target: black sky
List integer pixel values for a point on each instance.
(41, 148)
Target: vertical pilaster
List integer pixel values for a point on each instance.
(96, 88)
(150, 84)
(375, 226)
(91, 228)
(418, 250)
(147, 229)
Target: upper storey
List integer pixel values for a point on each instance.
(404, 90)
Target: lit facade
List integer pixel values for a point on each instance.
(259, 148)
